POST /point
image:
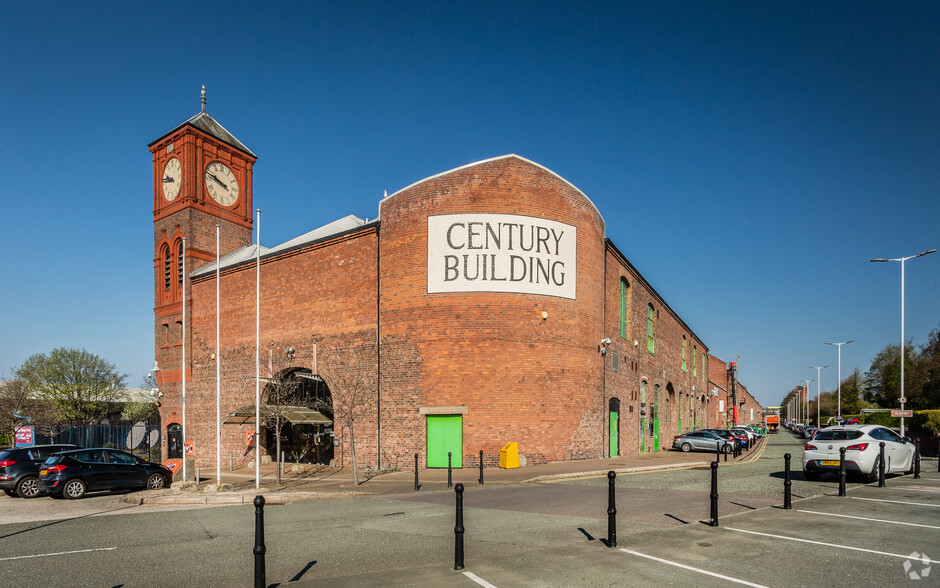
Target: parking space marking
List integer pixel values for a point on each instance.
(478, 580)
(690, 568)
(908, 556)
(832, 514)
(930, 490)
(57, 553)
(895, 501)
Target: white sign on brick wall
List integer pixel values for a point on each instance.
(501, 253)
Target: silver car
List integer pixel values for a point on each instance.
(862, 449)
(701, 441)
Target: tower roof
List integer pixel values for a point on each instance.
(210, 126)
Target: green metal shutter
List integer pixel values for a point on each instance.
(445, 433)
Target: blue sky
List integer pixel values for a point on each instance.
(748, 159)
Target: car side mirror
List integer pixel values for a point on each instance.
(906, 440)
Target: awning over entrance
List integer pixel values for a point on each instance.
(297, 415)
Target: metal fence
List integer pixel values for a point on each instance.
(140, 438)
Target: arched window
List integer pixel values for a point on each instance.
(650, 338)
(624, 308)
(703, 368)
(179, 265)
(167, 268)
(685, 343)
(694, 361)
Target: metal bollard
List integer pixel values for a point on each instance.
(197, 477)
(713, 521)
(259, 549)
(481, 467)
(787, 503)
(458, 530)
(881, 464)
(231, 462)
(842, 471)
(726, 451)
(717, 450)
(916, 459)
(416, 472)
(611, 510)
(449, 471)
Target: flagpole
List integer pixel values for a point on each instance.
(218, 368)
(258, 352)
(183, 245)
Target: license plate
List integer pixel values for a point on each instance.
(829, 462)
(43, 472)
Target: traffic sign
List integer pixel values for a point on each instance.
(903, 400)
(902, 413)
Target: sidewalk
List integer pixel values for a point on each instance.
(239, 485)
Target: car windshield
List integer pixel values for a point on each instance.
(837, 435)
(53, 460)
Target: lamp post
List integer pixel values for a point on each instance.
(839, 345)
(806, 384)
(818, 369)
(902, 260)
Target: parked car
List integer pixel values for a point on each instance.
(809, 431)
(728, 436)
(73, 473)
(19, 468)
(751, 436)
(862, 450)
(700, 441)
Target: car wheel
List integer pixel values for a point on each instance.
(811, 476)
(872, 476)
(9, 493)
(156, 482)
(74, 489)
(726, 448)
(28, 487)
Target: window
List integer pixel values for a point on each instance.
(650, 339)
(624, 308)
(167, 268)
(179, 265)
(694, 361)
(703, 368)
(685, 366)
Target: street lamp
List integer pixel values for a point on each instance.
(818, 376)
(902, 260)
(839, 345)
(806, 393)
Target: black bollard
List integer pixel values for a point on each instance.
(458, 530)
(416, 472)
(787, 503)
(916, 459)
(881, 464)
(449, 470)
(727, 450)
(713, 521)
(718, 450)
(611, 510)
(842, 471)
(481, 467)
(259, 543)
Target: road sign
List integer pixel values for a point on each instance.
(903, 400)
(902, 413)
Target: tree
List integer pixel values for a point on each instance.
(925, 379)
(15, 397)
(80, 383)
(353, 394)
(283, 390)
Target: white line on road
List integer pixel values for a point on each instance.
(930, 490)
(830, 514)
(895, 501)
(685, 567)
(57, 553)
(908, 556)
(478, 580)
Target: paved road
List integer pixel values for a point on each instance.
(548, 534)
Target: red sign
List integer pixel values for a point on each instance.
(23, 435)
(902, 413)
(190, 448)
(173, 465)
(249, 439)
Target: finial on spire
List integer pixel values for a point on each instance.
(203, 98)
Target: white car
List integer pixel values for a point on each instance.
(861, 442)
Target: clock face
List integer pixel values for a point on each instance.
(172, 179)
(221, 183)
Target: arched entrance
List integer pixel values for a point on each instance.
(299, 403)
(614, 419)
(174, 441)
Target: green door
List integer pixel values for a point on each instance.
(656, 418)
(644, 425)
(445, 433)
(614, 434)
(679, 413)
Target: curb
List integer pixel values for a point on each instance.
(230, 498)
(602, 473)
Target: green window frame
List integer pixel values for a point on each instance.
(650, 337)
(695, 361)
(624, 308)
(685, 366)
(703, 368)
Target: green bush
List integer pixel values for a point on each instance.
(926, 422)
(880, 418)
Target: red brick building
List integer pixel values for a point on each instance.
(483, 306)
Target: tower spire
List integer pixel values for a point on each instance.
(203, 98)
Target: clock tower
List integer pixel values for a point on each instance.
(201, 178)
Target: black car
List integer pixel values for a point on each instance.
(19, 468)
(73, 473)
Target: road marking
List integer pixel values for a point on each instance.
(895, 501)
(57, 553)
(829, 514)
(683, 566)
(478, 580)
(930, 490)
(908, 556)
